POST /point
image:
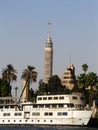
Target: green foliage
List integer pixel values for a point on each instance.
(29, 75)
(53, 86)
(5, 88)
(9, 74)
(88, 83)
(85, 68)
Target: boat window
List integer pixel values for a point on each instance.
(60, 105)
(44, 98)
(11, 106)
(47, 106)
(55, 98)
(54, 105)
(62, 113)
(48, 113)
(6, 106)
(35, 114)
(70, 105)
(17, 114)
(6, 114)
(82, 98)
(41, 106)
(39, 98)
(1, 101)
(49, 98)
(74, 97)
(34, 106)
(61, 97)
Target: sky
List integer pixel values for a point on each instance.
(24, 30)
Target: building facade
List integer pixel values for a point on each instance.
(48, 58)
(68, 78)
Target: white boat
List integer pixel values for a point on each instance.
(47, 110)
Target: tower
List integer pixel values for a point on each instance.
(48, 57)
(68, 77)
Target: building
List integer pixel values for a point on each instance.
(48, 58)
(68, 78)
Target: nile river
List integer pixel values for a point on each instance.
(44, 128)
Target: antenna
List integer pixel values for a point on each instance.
(70, 58)
(49, 24)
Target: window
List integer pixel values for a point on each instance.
(6, 114)
(55, 98)
(39, 98)
(60, 105)
(34, 106)
(62, 113)
(41, 106)
(61, 97)
(18, 114)
(35, 114)
(82, 98)
(11, 106)
(70, 105)
(54, 105)
(6, 106)
(44, 98)
(49, 98)
(48, 113)
(74, 98)
(47, 106)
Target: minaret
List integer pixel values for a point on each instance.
(48, 57)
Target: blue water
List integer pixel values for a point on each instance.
(44, 128)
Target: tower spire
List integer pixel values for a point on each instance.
(49, 24)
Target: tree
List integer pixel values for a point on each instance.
(88, 84)
(55, 86)
(81, 81)
(92, 81)
(29, 75)
(9, 74)
(84, 68)
(43, 88)
(4, 88)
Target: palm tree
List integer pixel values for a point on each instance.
(84, 68)
(9, 74)
(29, 76)
(92, 81)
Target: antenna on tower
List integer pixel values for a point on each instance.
(70, 58)
(49, 24)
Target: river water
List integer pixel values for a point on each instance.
(44, 128)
